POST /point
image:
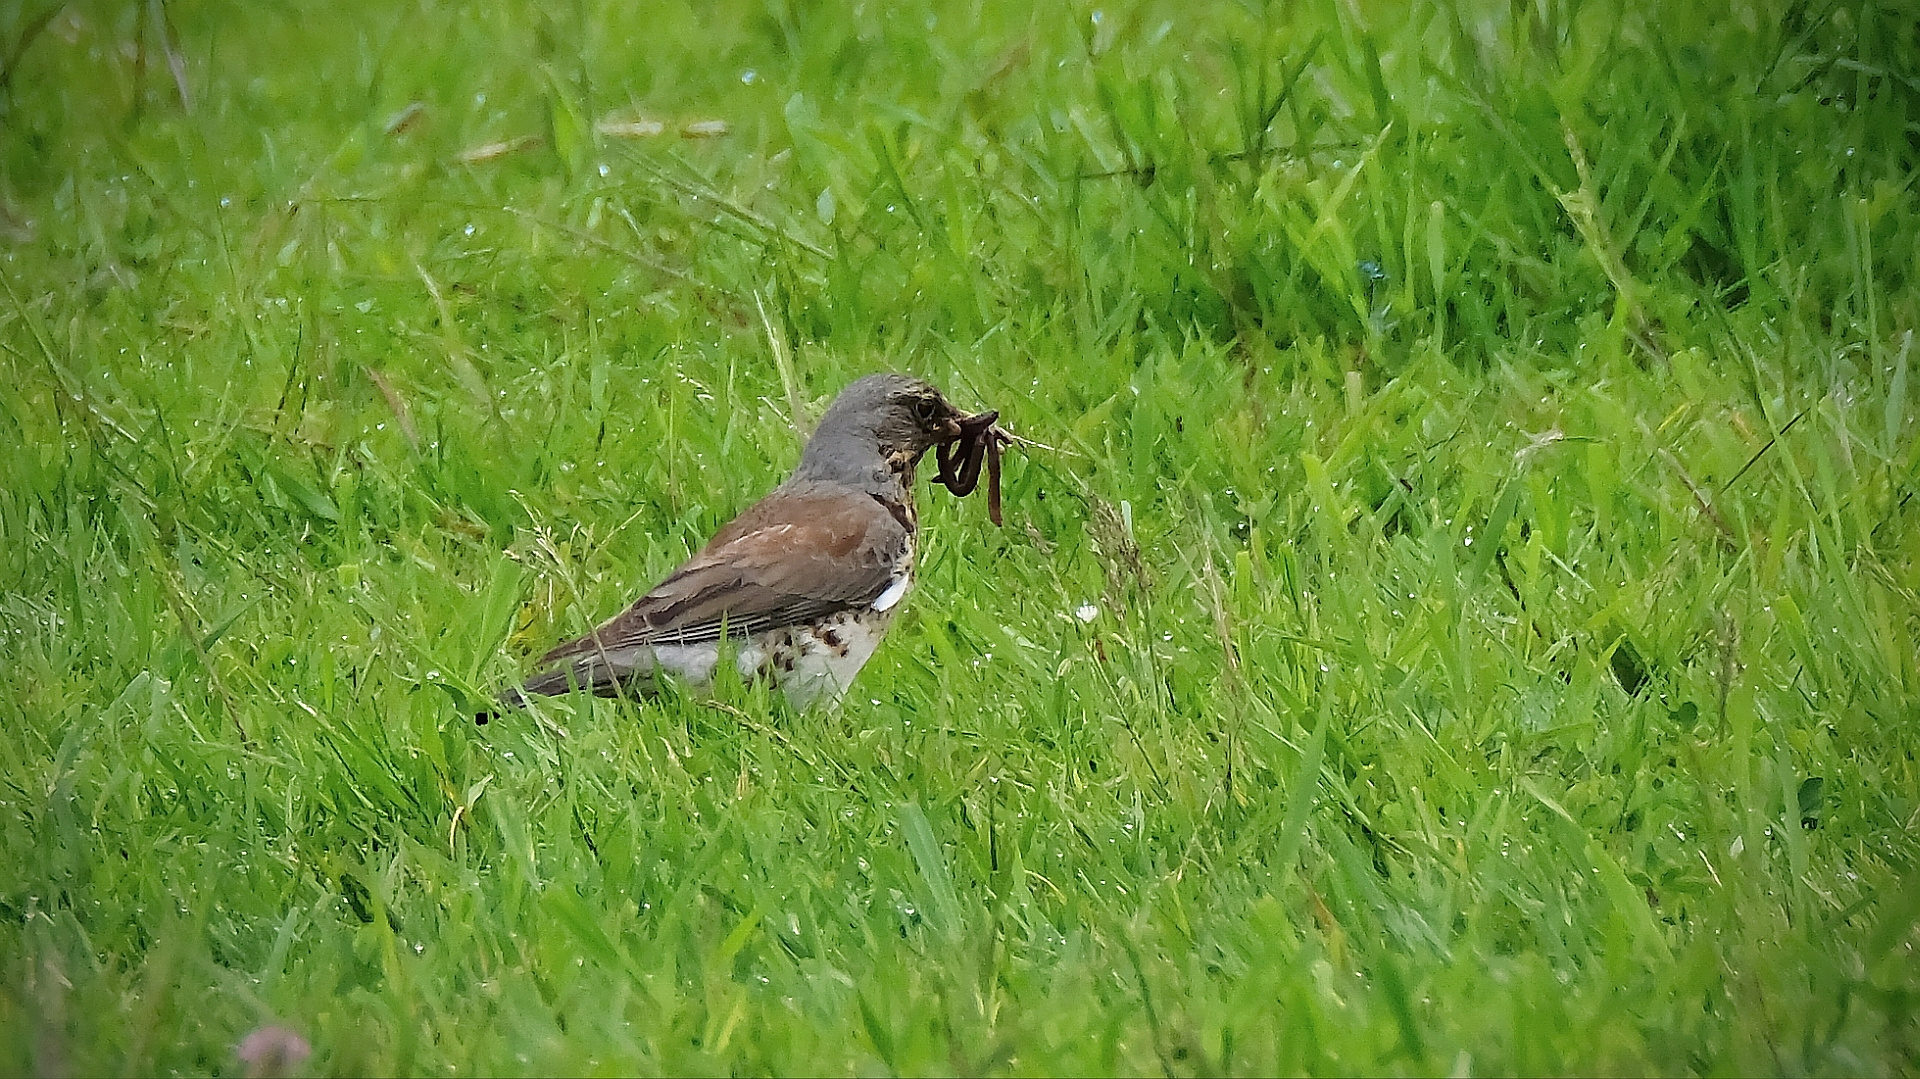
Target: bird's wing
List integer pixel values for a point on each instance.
(797, 555)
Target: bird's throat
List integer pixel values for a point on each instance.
(899, 502)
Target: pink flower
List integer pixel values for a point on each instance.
(272, 1050)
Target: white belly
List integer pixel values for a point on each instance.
(809, 665)
(821, 666)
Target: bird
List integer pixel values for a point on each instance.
(803, 584)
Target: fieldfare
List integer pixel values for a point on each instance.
(802, 585)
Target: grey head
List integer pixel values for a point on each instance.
(876, 431)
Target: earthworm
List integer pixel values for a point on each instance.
(979, 441)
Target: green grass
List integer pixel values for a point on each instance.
(1469, 626)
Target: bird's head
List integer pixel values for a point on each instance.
(896, 416)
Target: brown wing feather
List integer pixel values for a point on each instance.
(799, 554)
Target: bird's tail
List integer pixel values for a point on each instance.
(511, 697)
(589, 674)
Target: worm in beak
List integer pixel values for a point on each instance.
(977, 441)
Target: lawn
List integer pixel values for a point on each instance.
(1464, 621)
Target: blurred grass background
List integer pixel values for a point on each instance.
(1470, 626)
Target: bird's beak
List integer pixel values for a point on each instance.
(971, 426)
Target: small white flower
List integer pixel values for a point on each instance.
(1086, 612)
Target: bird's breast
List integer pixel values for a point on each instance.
(820, 661)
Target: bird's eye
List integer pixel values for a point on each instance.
(926, 409)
